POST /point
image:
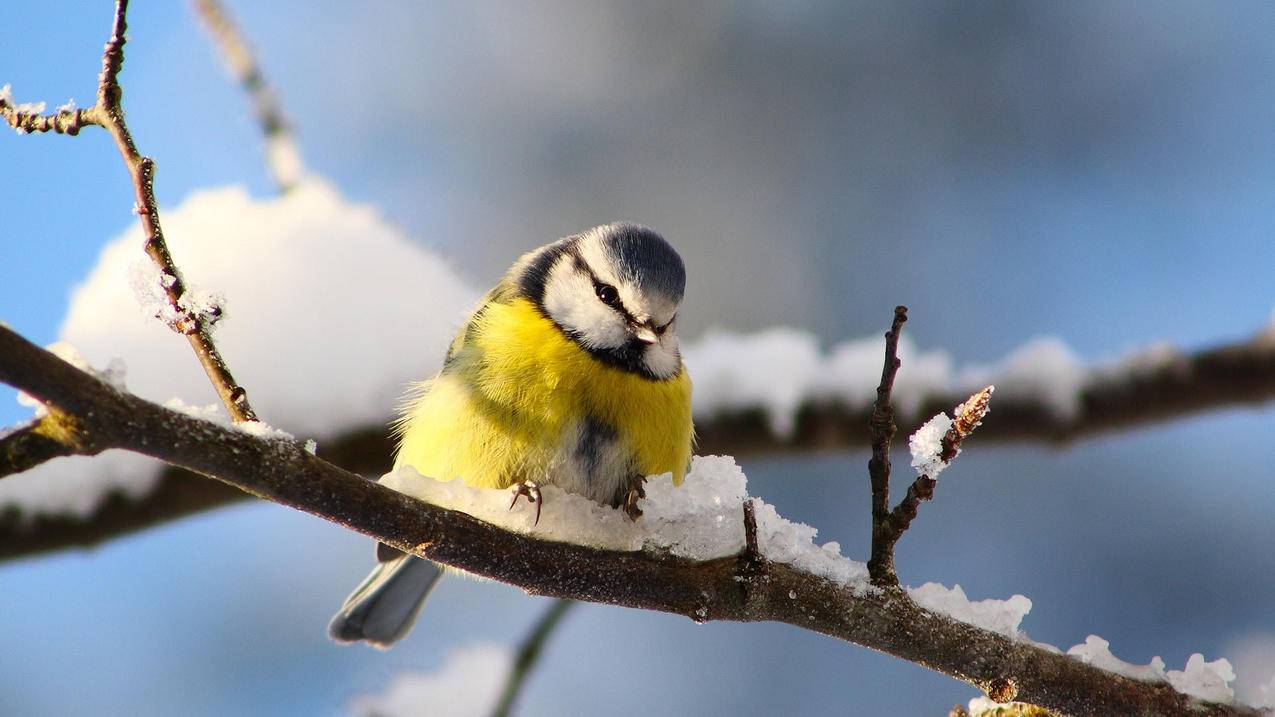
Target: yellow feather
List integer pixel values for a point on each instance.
(496, 415)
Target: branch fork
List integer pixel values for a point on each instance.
(888, 525)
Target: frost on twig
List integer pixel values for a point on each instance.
(933, 447)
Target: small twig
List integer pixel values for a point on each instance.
(283, 161)
(529, 654)
(752, 565)
(882, 429)
(108, 113)
(967, 416)
(751, 552)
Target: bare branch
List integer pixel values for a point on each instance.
(967, 416)
(882, 428)
(108, 113)
(529, 654)
(887, 621)
(282, 158)
(1173, 386)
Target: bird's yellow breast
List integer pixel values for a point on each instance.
(516, 385)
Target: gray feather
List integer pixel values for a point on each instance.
(383, 608)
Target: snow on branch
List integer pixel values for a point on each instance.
(703, 577)
(747, 401)
(933, 446)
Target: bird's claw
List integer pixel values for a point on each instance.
(531, 490)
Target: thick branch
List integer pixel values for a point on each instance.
(283, 472)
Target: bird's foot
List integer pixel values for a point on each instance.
(531, 490)
(635, 493)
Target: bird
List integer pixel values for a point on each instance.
(568, 373)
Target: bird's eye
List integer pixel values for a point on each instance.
(607, 294)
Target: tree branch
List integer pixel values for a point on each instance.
(890, 527)
(881, 429)
(283, 472)
(283, 160)
(1231, 375)
(529, 653)
(108, 113)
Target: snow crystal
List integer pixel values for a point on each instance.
(783, 541)
(468, 685)
(926, 446)
(68, 107)
(701, 520)
(202, 302)
(261, 429)
(345, 311)
(1206, 680)
(6, 95)
(206, 412)
(148, 284)
(1003, 616)
(311, 446)
(1096, 651)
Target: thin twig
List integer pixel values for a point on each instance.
(285, 473)
(529, 653)
(108, 113)
(966, 417)
(882, 428)
(283, 160)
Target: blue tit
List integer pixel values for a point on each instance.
(568, 373)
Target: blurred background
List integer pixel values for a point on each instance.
(1097, 171)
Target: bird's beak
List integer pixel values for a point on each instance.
(645, 333)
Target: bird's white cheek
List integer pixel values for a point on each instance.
(570, 301)
(662, 359)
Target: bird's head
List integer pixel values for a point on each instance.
(615, 290)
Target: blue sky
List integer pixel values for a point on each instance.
(1097, 171)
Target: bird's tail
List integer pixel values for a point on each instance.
(383, 608)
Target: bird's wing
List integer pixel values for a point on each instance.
(502, 293)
